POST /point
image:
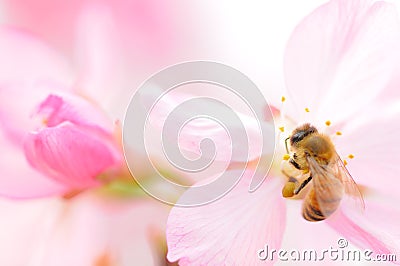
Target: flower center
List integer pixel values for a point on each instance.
(287, 124)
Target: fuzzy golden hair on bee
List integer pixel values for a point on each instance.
(314, 156)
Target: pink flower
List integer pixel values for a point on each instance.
(68, 198)
(71, 143)
(340, 64)
(69, 111)
(71, 148)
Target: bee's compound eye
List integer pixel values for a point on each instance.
(302, 132)
(297, 137)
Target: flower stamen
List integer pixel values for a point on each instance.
(307, 110)
(282, 111)
(351, 156)
(338, 133)
(328, 123)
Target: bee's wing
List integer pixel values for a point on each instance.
(348, 182)
(328, 188)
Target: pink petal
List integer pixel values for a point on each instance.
(101, 60)
(20, 243)
(56, 109)
(373, 140)
(118, 231)
(301, 235)
(29, 70)
(72, 155)
(144, 25)
(103, 31)
(141, 238)
(340, 57)
(376, 229)
(16, 116)
(19, 180)
(248, 147)
(25, 56)
(231, 230)
(36, 16)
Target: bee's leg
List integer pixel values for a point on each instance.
(292, 183)
(294, 163)
(302, 185)
(289, 170)
(289, 188)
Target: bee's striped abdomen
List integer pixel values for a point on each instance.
(312, 209)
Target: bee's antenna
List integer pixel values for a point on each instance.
(287, 149)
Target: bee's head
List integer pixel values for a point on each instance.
(301, 132)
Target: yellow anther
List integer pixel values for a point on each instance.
(286, 157)
(339, 133)
(45, 121)
(345, 162)
(282, 129)
(351, 156)
(328, 123)
(307, 110)
(283, 99)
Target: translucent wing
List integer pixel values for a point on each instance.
(328, 189)
(348, 182)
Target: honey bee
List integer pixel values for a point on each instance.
(315, 159)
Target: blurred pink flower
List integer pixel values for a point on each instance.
(340, 64)
(61, 146)
(89, 229)
(71, 144)
(142, 25)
